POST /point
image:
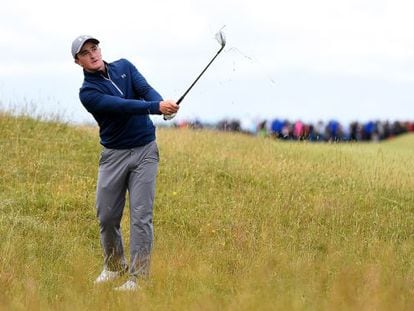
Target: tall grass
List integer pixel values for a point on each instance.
(241, 223)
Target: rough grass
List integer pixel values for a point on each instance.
(242, 223)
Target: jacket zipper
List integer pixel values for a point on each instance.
(113, 83)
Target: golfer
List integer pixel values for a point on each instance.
(121, 100)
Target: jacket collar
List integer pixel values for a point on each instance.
(97, 74)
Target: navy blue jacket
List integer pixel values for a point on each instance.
(121, 104)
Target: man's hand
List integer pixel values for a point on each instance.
(168, 107)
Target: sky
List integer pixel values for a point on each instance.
(314, 60)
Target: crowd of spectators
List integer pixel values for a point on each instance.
(335, 131)
(320, 131)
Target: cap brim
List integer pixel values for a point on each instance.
(93, 40)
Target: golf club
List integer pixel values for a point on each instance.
(222, 40)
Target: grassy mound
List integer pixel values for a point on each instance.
(240, 223)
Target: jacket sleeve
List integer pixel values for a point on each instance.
(97, 102)
(141, 86)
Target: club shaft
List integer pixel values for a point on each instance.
(195, 81)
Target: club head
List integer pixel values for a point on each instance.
(221, 38)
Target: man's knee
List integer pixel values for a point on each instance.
(108, 218)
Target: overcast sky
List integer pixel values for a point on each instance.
(297, 59)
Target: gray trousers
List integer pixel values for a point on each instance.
(133, 170)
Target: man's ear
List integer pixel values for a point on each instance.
(77, 62)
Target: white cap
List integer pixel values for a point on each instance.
(78, 43)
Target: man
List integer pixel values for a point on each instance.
(121, 100)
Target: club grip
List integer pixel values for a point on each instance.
(171, 116)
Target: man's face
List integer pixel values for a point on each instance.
(90, 58)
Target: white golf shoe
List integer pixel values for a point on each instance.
(107, 276)
(127, 286)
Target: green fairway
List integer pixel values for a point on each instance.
(241, 223)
